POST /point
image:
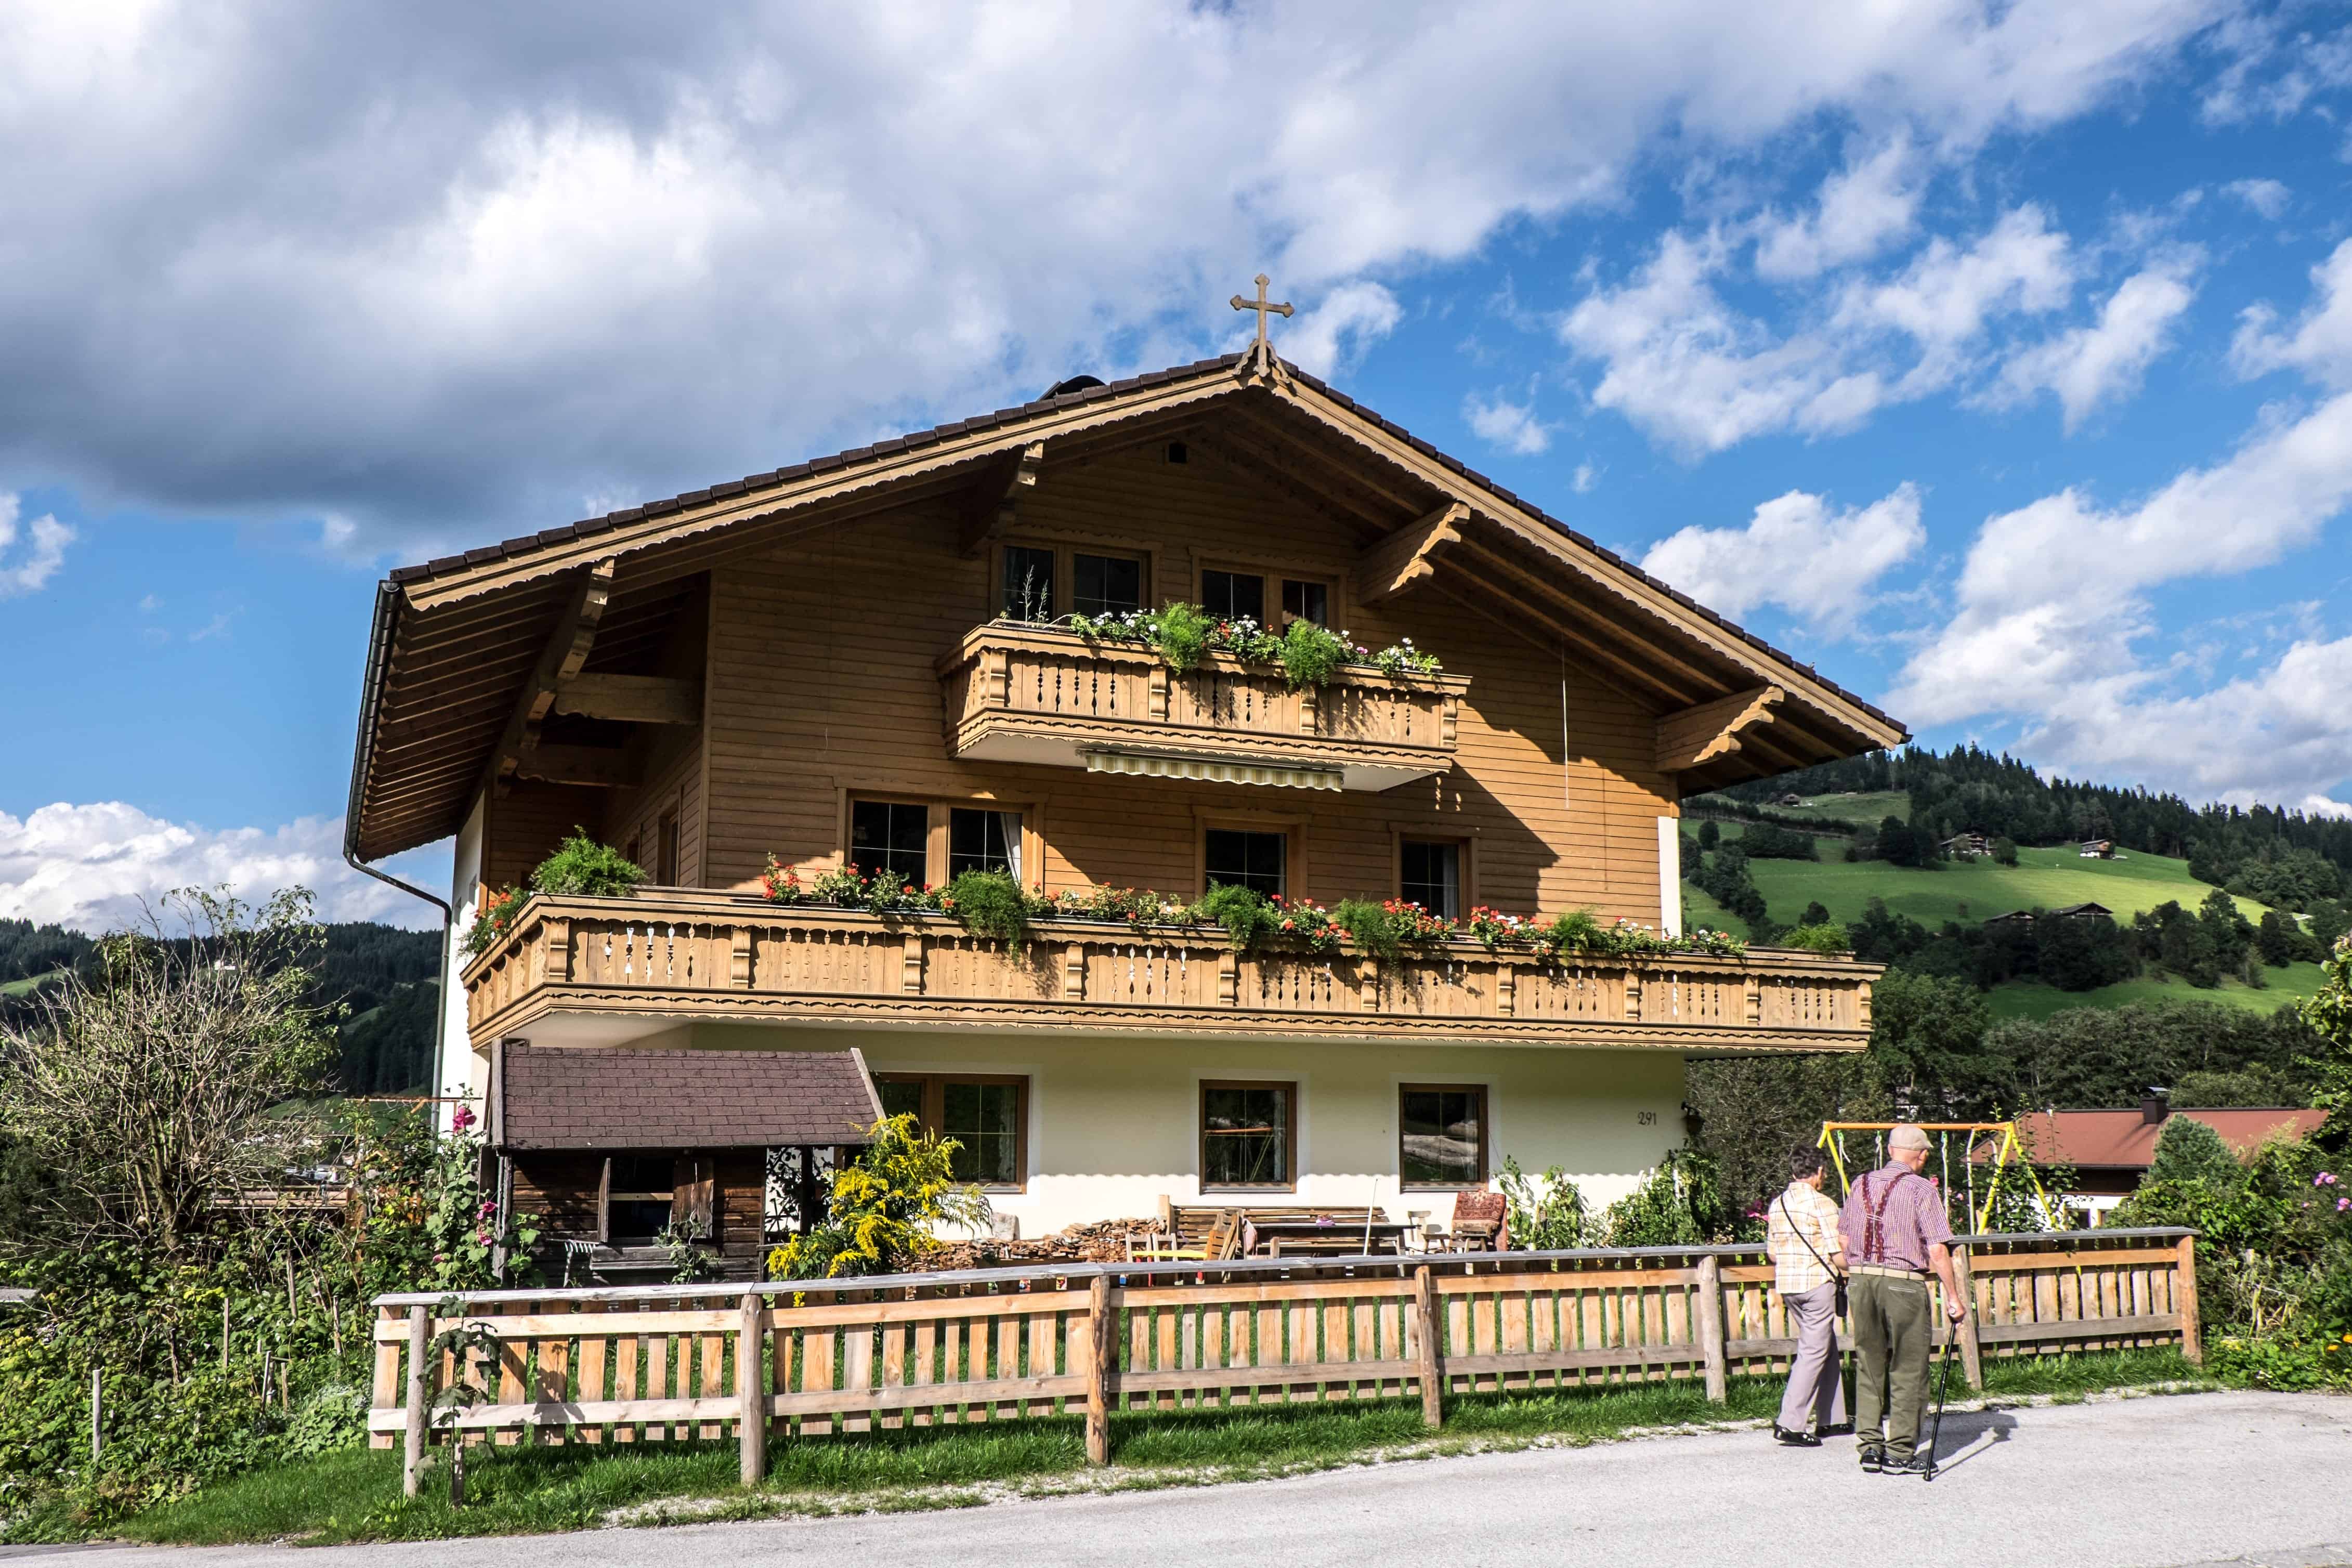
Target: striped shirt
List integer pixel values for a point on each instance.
(1800, 1224)
(1893, 1216)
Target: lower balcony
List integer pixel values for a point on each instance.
(615, 969)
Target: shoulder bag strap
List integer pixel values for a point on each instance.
(1798, 1231)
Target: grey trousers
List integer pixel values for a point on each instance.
(1815, 1389)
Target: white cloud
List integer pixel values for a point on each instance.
(1942, 299)
(1585, 478)
(89, 866)
(149, 604)
(1797, 552)
(2265, 198)
(2247, 88)
(44, 552)
(2090, 365)
(2319, 341)
(1337, 333)
(618, 259)
(1859, 210)
(1513, 427)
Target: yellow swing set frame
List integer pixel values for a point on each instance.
(2007, 1151)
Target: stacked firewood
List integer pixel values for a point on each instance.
(1101, 1241)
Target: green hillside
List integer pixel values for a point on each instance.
(1971, 891)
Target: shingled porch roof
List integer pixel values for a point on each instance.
(622, 1097)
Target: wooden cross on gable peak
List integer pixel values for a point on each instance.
(1264, 309)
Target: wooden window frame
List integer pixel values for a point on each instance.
(935, 828)
(605, 1195)
(1485, 1137)
(1289, 1183)
(1292, 828)
(1065, 545)
(668, 848)
(1464, 841)
(1272, 570)
(932, 1117)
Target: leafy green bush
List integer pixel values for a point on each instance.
(1244, 913)
(1311, 655)
(1181, 632)
(990, 904)
(581, 867)
(2191, 1150)
(1547, 1217)
(1377, 933)
(883, 1207)
(334, 1417)
(1678, 1204)
(1827, 937)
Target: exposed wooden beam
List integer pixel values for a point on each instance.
(1696, 736)
(559, 661)
(995, 503)
(1409, 555)
(1569, 620)
(1253, 466)
(599, 767)
(1306, 440)
(631, 698)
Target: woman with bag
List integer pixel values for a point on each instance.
(1801, 1234)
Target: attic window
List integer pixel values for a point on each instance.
(1177, 453)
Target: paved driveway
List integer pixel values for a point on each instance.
(2137, 1483)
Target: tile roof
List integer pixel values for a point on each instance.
(2126, 1139)
(622, 1097)
(590, 527)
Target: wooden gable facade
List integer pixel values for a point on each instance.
(713, 681)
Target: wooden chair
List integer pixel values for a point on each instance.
(1482, 1222)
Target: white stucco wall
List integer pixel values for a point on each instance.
(460, 1070)
(1670, 875)
(1114, 1122)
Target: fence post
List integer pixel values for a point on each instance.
(97, 1418)
(1971, 1348)
(1102, 1351)
(2184, 1285)
(1432, 1366)
(751, 1420)
(1710, 1328)
(412, 1462)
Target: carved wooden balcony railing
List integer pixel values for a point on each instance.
(1022, 693)
(681, 954)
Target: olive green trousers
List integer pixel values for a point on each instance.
(1893, 1341)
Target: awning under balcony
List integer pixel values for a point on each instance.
(1210, 770)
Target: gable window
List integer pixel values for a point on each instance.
(983, 841)
(1242, 858)
(1233, 595)
(1028, 584)
(1249, 1134)
(1431, 876)
(1306, 601)
(890, 835)
(1105, 584)
(1442, 1134)
(988, 1113)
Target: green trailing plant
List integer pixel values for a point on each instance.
(581, 867)
(681, 1242)
(885, 1207)
(1181, 633)
(1679, 1204)
(989, 904)
(492, 919)
(1311, 654)
(1245, 912)
(1826, 937)
(1375, 933)
(1548, 1214)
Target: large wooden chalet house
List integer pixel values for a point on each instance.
(866, 658)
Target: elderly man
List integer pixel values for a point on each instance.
(1895, 1234)
(1800, 1232)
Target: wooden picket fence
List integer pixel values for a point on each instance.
(668, 1363)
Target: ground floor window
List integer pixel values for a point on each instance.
(1442, 1134)
(987, 1113)
(1249, 1134)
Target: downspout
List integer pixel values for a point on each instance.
(387, 602)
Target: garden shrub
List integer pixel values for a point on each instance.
(1376, 931)
(883, 1207)
(1679, 1204)
(1311, 654)
(1244, 913)
(1181, 633)
(1826, 937)
(1548, 1214)
(333, 1417)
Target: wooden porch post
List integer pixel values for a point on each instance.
(2184, 1284)
(1102, 1352)
(1710, 1328)
(751, 1420)
(420, 1391)
(1971, 1347)
(1432, 1366)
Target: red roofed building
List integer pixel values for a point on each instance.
(2110, 1151)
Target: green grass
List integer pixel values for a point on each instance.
(2033, 999)
(31, 984)
(355, 1495)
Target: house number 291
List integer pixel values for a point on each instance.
(1645, 1117)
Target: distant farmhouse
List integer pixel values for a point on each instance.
(2109, 1151)
(2097, 849)
(2067, 912)
(1968, 847)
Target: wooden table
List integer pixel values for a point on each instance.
(1334, 1237)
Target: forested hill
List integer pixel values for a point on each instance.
(387, 976)
(2258, 852)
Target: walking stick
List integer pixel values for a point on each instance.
(1943, 1381)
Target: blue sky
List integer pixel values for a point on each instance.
(1994, 359)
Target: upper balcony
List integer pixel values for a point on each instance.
(1023, 694)
(606, 971)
